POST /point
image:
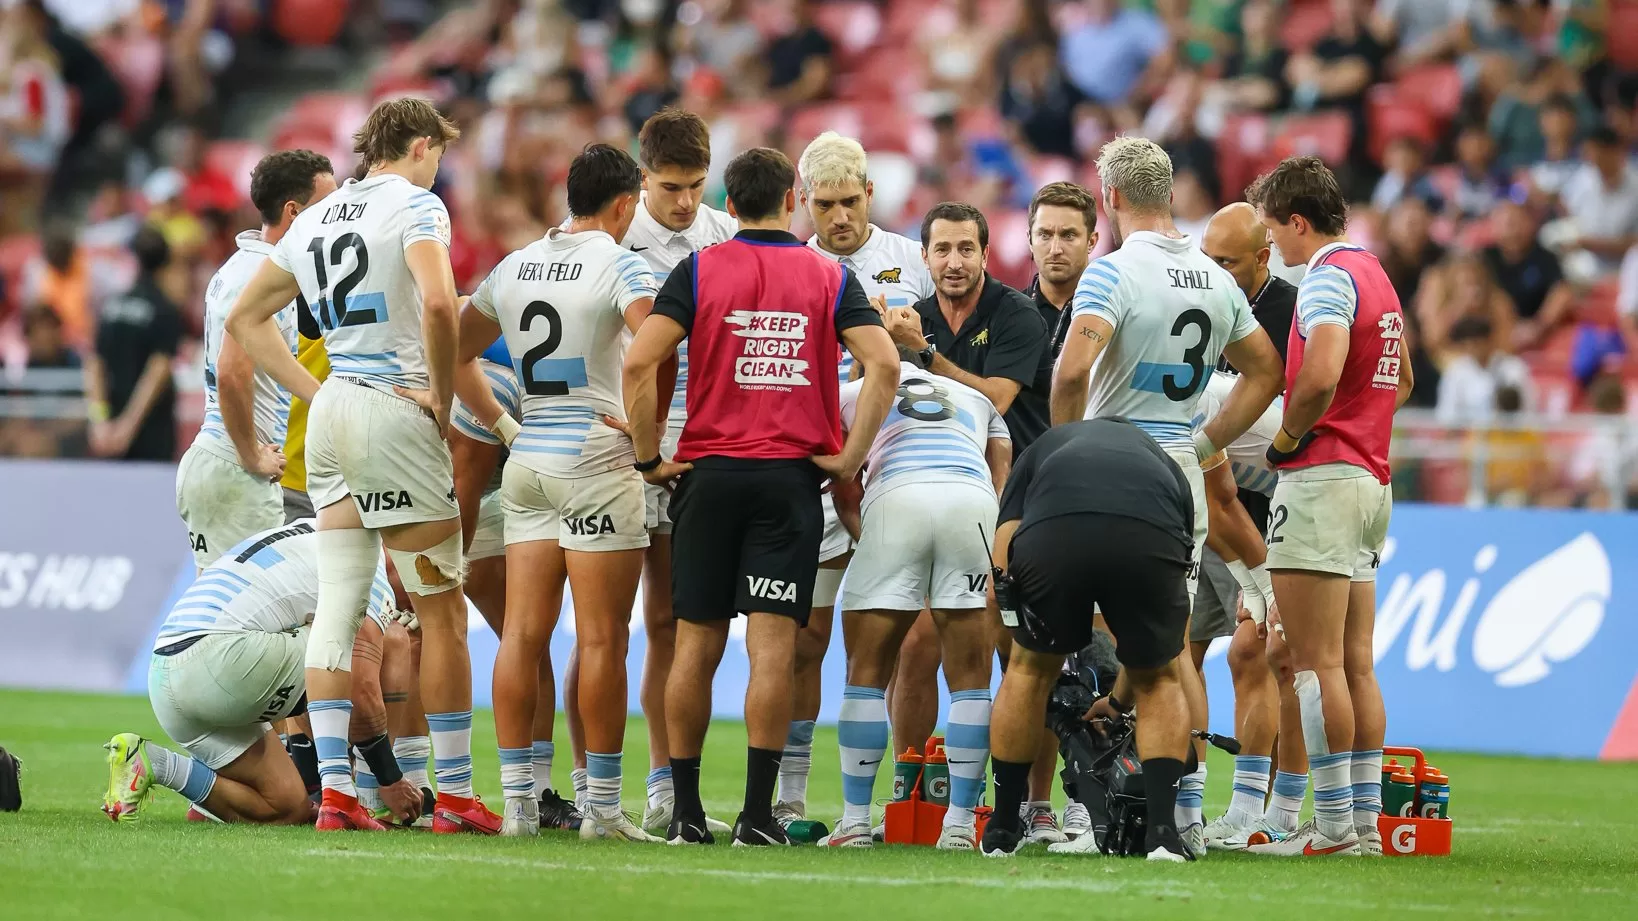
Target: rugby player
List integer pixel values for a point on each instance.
(1345, 377)
(929, 505)
(671, 224)
(836, 192)
(372, 261)
(479, 455)
(1154, 316)
(227, 484)
(228, 662)
(573, 502)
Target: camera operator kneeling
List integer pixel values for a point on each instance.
(1094, 513)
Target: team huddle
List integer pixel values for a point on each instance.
(547, 432)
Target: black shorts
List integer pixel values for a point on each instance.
(1134, 571)
(745, 537)
(1256, 505)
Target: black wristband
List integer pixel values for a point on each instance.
(1120, 708)
(646, 466)
(378, 755)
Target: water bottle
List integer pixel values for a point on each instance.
(1399, 795)
(935, 779)
(1388, 770)
(1433, 795)
(906, 774)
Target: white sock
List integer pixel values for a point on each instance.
(861, 733)
(795, 762)
(1333, 794)
(577, 778)
(369, 789)
(1191, 798)
(452, 752)
(411, 753)
(330, 719)
(540, 754)
(1250, 788)
(517, 772)
(1365, 771)
(603, 781)
(186, 775)
(659, 786)
(1285, 805)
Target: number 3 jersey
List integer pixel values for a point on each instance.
(561, 303)
(1173, 310)
(347, 253)
(935, 432)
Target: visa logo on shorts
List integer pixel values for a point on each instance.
(384, 501)
(591, 524)
(772, 589)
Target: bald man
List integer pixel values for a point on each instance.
(1238, 242)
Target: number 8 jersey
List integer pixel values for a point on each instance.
(347, 253)
(1173, 310)
(561, 303)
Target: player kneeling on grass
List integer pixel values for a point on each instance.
(929, 507)
(228, 662)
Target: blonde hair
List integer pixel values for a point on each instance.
(1140, 170)
(832, 160)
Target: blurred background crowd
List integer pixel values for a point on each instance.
(1487, 145)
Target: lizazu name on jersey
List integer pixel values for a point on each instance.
(344, 211)
(591, 524)
(557, 271)
(384, 501)
(1190, 278)
(772, 589)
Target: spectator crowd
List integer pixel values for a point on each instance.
(1487, 145)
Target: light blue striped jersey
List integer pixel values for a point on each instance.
(1327, 294)
(270, 406)
(888, 265)
(935, 432)
(503, 385)
(561, 303)
(1173, 310)
(1248, 455)
(347, 253)
(266, 584)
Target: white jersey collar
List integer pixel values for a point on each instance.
(558, 238)
(660, 232)
(251, 242)
(1171, 244)
(873, 238)
(1328, 249)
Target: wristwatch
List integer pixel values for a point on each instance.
(925, 356)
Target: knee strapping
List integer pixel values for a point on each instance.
(825, 586)
(347, 563)
(432, 571)
(1312, 707)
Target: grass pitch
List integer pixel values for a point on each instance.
(1533, 838)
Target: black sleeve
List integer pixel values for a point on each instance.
(1012, 497)
(307, 324)
(676, 297)
(1017, 337)
(167, 329)
(852, 307)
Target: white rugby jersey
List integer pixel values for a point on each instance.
(270, 408)
(503, 384)
(561, 304)
(347, 252)
(662, 248)
(1173, 310)
(266, 584)
(1248, 454)
(889, 265)
(935, 432)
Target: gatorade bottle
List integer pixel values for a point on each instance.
(1390, 769)
(1433, 796)
(906, 774)
(934, 743)
(935, 779)
(1399, 795)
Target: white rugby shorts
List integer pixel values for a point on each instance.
(601, 512)
(220, 695)
(383, 451)
(1187, 459)
(923, 544)
(489, 539)
(1329, 518)
(221, 504)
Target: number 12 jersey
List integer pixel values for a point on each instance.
(1173, 310)
(561, 303)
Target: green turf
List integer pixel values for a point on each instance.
(1534, 838)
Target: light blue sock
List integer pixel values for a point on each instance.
(540, 754)
(1365, 769)
(1250, 787)
(603, 780)
(862, 737)
(452, 752)
(176, 771)
(1286, 803)
(795, 762)
(1191, 798)
(1333, 793)
(967, 745)
(411, 753)
(330, 719)
(659, 786)
(369, 789)
(517, 772)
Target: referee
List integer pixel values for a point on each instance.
(765, 318)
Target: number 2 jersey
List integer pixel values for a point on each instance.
(1173, 310)
(561, 303)
(935, 432)
(270, 409)
(347, 253)
(266, 584)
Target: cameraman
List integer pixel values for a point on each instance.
(1094, 513)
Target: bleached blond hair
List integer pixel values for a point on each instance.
(1140, 171)
(831, 160)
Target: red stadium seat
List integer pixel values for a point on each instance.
(884, 73)
(1390, 115)
(1435, 88)
(1305, 24)
(852, 25)
(234, 159)
(1242, 151)
(1621, 35)
(309, 23)
(1322, 134)
(1598, 308)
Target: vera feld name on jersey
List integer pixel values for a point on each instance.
(772, 339)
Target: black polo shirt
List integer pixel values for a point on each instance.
(1004, 337)
(1274, 307)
